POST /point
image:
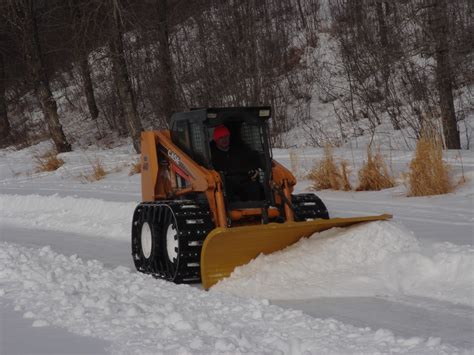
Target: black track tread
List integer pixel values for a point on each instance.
(163, 212)
(315, 210)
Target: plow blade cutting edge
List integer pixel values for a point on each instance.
(226, 248)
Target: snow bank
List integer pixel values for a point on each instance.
(139, 314)
(373, 259)
(68, 214)
(445, 272)
(380, 258)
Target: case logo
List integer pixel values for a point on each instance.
(174, 156)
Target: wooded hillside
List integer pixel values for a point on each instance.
(127, 65)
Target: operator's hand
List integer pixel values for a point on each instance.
(254, 174)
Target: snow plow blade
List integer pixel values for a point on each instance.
(226, 248)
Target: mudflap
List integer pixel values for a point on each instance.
(226, 248)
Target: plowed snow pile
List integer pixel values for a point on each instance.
(89, 216)
(374, 259)
(142, 315)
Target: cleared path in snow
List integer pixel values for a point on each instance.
(18, 337)
(452, 323)
(111, 253)
(431, 220)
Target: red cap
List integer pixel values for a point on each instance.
(220, 131)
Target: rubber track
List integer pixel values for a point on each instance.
(308, 206)
(193, 223)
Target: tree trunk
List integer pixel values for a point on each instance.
(4, 123)
(87, 85)
(79, 17)
(301, 13)
(167, 84)
(122, 80)
(40, 79)
(444, 75)
(385, 59)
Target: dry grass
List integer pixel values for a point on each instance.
(98, 172)
(374, 174)
(327, 175)
(135, 169)
(294, 162)
(429, 174)
(48, 161)
(345, 172)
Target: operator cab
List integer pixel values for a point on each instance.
(246, 168)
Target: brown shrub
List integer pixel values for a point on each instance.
(429, 174)
(135, 169)
(48, 161)
(326, 174)
(98, 172)
(374, 174)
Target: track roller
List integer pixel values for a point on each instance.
(167, 239)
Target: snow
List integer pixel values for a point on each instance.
(375, 259)
(89, 216)
(402, 286)
(141, 315)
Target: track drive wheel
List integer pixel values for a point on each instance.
(155, 240)
(167, 239)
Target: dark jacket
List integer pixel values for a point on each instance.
(238, 159)
(236, 164)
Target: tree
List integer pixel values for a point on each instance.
(121, 76)
(80, 23)
(439, 25)
(88, 87)
(23, 17)
(167, 86)
(4, 123)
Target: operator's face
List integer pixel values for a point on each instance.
(223, 143)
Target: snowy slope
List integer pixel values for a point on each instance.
(65, 265)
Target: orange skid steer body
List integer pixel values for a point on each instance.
(190, 227)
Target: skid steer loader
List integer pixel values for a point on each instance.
(190, 227)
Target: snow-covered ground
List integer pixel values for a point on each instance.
(68, 285)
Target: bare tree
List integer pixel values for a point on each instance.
(167, 85)
(80, 23)
(23, 17)
(444, 74)
(121, 76)
(387, 50)
(88, 87)
(4, 123)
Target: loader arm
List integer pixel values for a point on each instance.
(164, 164)
(283, 181)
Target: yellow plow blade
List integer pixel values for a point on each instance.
(226, 248)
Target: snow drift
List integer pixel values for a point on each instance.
(375, 259)
(139, 314)
(88, 216)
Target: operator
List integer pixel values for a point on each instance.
(239, 165)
